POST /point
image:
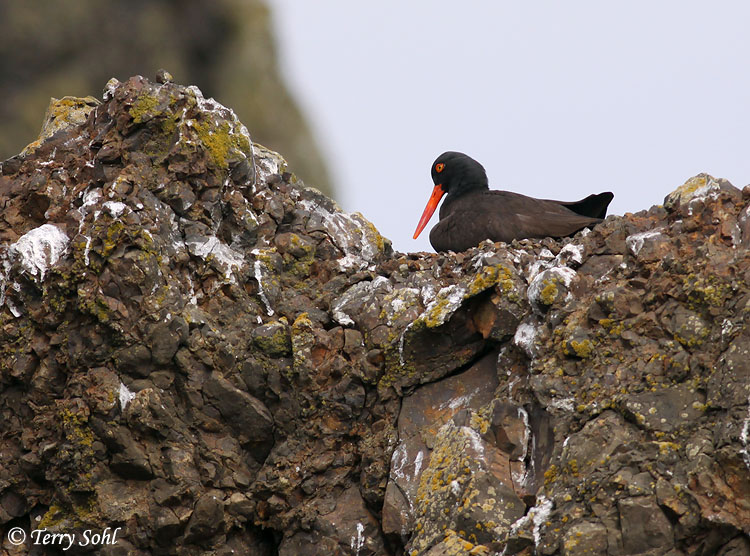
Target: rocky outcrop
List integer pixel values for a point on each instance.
(201, 351)
(226, 47)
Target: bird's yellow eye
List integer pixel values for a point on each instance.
(439, 167)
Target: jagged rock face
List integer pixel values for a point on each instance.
(226, 47)
(198, 349)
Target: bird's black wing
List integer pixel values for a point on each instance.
(502, 216)
(527, 217)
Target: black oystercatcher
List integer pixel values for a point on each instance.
(472, 213)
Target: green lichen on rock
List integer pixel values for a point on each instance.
(95, 306)
(370, 233)
(551, 475)
(303, 340)
(64, 517)
(221, 141)
(457, 499)
(612, 327)
(144, 108)
(705, 291)
(300, 258)
(398, 367)
(78, 447)
(397, 372)
(448, 463)
(266, 256)
(688, 190)
(112, 237)
(691, 341)
(273, 339)
(582, 349)
(54, 516)
(507, 283)
(689, 329)
(399, 303)
(219, 132)
(449, 299)
(156, 105)
(440, 310)
(490, 276)
(61, 114)
(75, 428)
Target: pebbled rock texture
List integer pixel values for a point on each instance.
(201, 351)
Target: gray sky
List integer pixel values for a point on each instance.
(555, 99)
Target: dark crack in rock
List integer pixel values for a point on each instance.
(198, 349)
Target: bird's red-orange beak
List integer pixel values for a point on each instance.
(432, 204)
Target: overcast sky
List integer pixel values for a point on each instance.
(555, 99)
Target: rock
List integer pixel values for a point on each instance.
(165, 339)
(422, 415)
(63, 113)
(695, 189)
(736, 547)
(166, 525)
(551, 287)
(250, 419)
(131, 462)
(200, 349)
(644, 526)
(688, 327)
(668, 409)
(194, 57)
(207, 519)
(729, 384)
(585, 537)
(135, 360)
(273, 338)
(350, 525)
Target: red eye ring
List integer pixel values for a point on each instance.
(439, 167)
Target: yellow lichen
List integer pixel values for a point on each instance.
(550, 475)
(582, 349)
(480, 421)
(220, 141)
(549, 292)
(489, 276)
(573, 467)
(143, 108)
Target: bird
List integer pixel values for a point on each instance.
(472, 213)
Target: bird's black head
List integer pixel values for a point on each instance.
(453, 174)
(457, 173)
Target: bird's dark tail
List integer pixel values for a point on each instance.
(594, 206)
